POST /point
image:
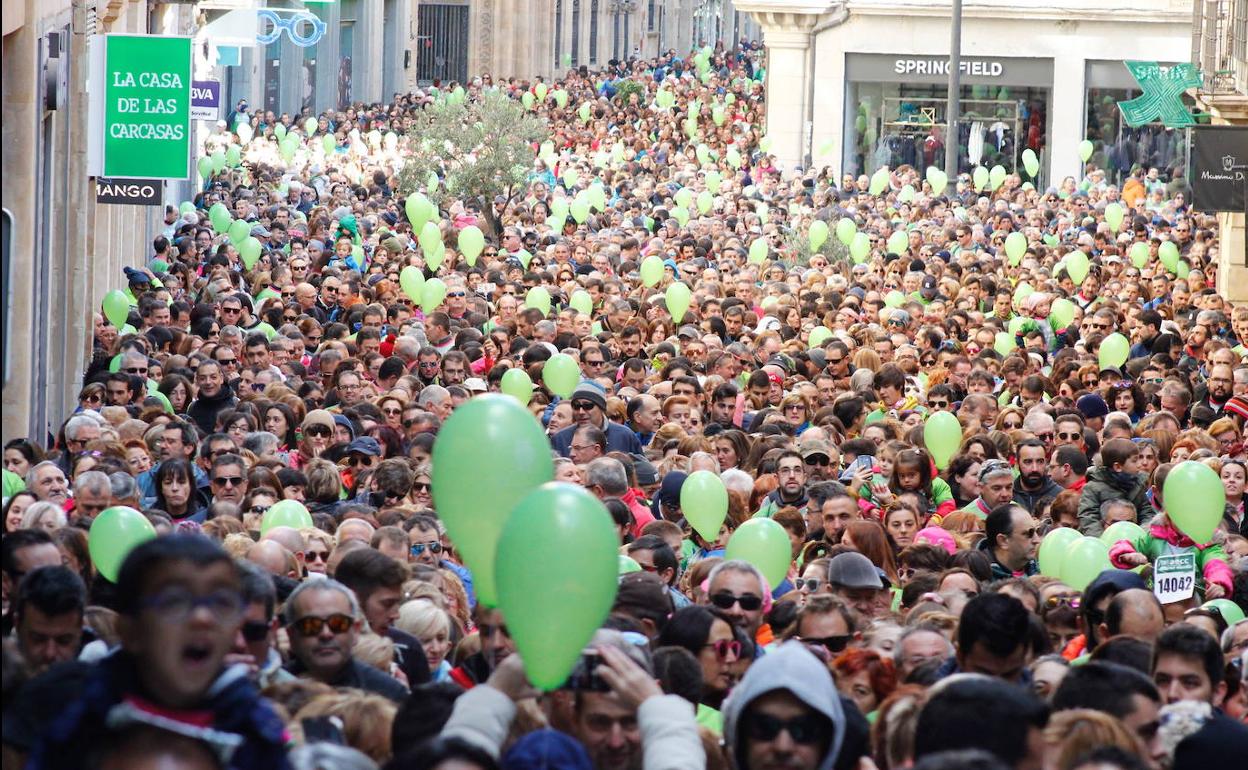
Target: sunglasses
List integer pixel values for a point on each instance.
(1053, 602)
(419, 548)
(135, 370)
(748, 602)
(420, 486)
(939, 404)
(312, 625)
(94, 398)
(1069, 436)
(260, 509)
(819, 460)
(583, 406)
(809, 585)
(316, 555)
(228, 481)
(255, 630)
(317, 431)
(725, 648)
(832, 644)
(805, 729)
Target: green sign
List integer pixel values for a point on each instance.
(1162, 99)
(147, 107)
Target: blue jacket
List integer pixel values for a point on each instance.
(111, 693)
(619, 439)
(147, 482)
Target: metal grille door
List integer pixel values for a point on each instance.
(443, 53)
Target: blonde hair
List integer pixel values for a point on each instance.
(1075, 732)
(423, 619)
(375, 650)
(366, 720)
(237, 544)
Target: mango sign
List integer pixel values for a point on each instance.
(147, 107)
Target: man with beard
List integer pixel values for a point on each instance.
(1010, 542)
(1033, 485)
(1221, 384)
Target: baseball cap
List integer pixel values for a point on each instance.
(853, 570)
(645, 471)
(1092, 405)
(812, 447)
(475, 385)
(642, 593)
(365, 445)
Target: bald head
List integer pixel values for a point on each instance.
(1134, 612)
(355, 529)
(288, 537)
(270, 556)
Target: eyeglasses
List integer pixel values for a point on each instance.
(456, 294)
(177, 604)
(583, 406)
(809, 585)
(228, 481)
(805, 729)
(419, 548)
(1153, 380)
(748, 602)
(255, 630)
(312, 625)
(725, 648)
(832, 644)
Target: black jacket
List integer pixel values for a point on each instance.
(362, 677)
(204, 410)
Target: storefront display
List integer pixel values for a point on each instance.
(1119, 147)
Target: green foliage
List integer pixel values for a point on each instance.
(480, 149)
(625, 89)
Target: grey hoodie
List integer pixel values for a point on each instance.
(794, 668)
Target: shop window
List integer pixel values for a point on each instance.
(1119, 148)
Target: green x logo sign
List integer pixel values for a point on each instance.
(1163, 94)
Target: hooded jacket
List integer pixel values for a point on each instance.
(1100, 488)
(789, 667)
(1031, 500)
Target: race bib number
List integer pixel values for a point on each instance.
(1174, 577)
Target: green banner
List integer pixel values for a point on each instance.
(147, 107)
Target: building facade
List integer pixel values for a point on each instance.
(870, 79)
(67, 251)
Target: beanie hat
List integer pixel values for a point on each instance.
(590, 392)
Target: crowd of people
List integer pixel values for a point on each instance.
(914, 627)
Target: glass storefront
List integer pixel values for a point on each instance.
(896, 113)
(1119, 147)
(897, 124)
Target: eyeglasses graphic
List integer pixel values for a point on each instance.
(303, 28)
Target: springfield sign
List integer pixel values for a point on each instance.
(147, 107)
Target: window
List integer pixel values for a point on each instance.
(576, 32)
(558, 33)
(593, 31)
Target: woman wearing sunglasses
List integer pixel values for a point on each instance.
(707, 633)
(316, 434)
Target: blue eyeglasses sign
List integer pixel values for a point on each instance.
(304, 29)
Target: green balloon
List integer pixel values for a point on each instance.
(560, 374)
(763, 543)
(1077, 266)
(234, 156)
(1016, 324)
(1062, 312)
(758, 251)
(1086, 148)
(818, 234)
(1195, 500)
(558, 571)
(846, 229)
(705, 202)
(1015, 247)
(818, 336)
(1168, 252)
(286, 513)
(1053, 549)
(1031, 163)
(1004, 343)
(474, 505)
(580, 210)
(894, 298)
(898, 242)
(204, 166)
(538, 297)
(627, 565)
(412, 281)
(432, 294)
(239, 230)
(417, 211)
(981, 177)
(879, 181)
(219, 216)
(581, 302)
(1113, 351)
(116, 308)
(1122, 530)
(218, 161)
(249, 251)
(1139, 254)
(678, 297)
(516, 383)
(1231, 612)
(651, 270)
(1085, 558)
(1113, 216)
(309, 127)
(704, 502)
(938, 179)
(114, 533)
(859, 247)
(996, 176)
(942, 435)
